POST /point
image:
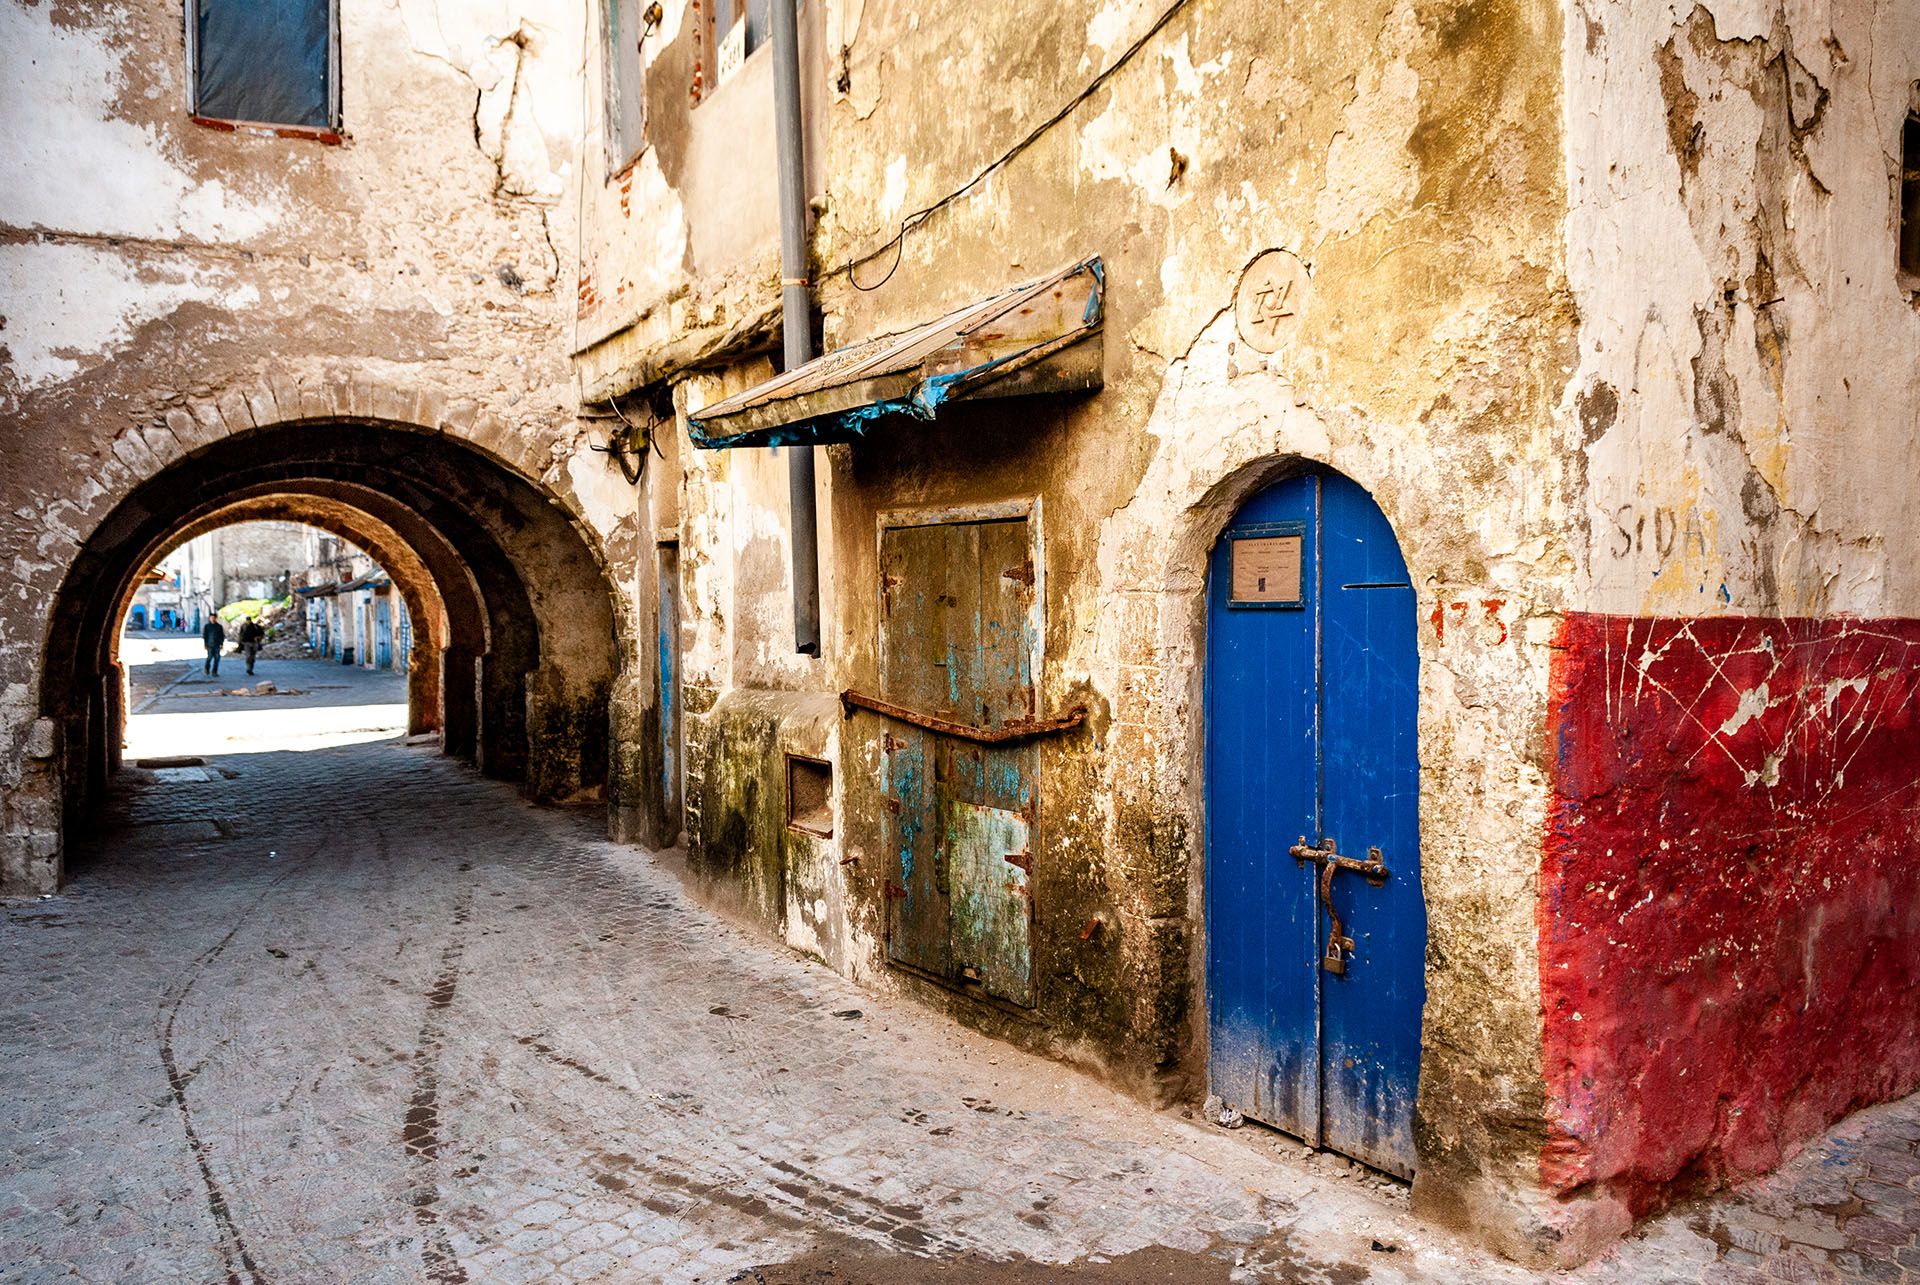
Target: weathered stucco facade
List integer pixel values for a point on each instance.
(1415, 172)
(1602, 313)
(1729, 941)
(206, 324)
(1596, 300)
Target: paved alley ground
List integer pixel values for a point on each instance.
(352, 1013)
(179, 709)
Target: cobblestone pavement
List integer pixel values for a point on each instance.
(356, 1014)
(311, 703)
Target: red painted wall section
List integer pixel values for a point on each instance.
(1729, 896)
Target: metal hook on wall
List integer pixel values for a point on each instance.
(629, 440)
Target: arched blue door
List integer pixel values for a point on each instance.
(1315, 948)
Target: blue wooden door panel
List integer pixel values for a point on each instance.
(382, 633)
(917, 895)
(992, 909)
(1311, 712)
(1262, 986)
(913, 673)
(957, 599)
(667, 653)
(986, 815)
(1370, 1018)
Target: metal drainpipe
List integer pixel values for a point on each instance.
(796, 329)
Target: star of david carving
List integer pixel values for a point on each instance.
(1272, 304)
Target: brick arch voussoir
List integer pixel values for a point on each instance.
(279, 400)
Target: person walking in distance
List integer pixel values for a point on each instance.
(215, 637)
(252, 634)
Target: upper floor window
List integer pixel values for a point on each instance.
(739, 28)
(628, 23)
(265, 62)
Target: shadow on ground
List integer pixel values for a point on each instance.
(856, 1265)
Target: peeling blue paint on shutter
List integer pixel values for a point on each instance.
(957, 602)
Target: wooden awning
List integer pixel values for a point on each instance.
(1042, 337)
(373, 580)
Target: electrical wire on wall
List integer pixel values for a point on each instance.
(618, 444)
(897, 243)
(580, 183)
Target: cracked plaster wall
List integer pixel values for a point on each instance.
(1733, 699)
(1655, 365)
(679, 264)
(166, 283)
(678, 286)
(1409, 154)
(1747, 394)
(1412, 161)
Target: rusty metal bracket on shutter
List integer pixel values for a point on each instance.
(1025, 729)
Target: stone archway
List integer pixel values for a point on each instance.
(523, 612)
(437, 616)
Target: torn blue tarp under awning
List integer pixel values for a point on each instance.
(1042, 337)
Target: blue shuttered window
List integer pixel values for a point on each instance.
(626, 83)
(268, 62)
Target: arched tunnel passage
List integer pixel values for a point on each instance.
(521, 632)
(437, 615)
(429, 569)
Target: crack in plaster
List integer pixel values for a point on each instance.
(1746, 99)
